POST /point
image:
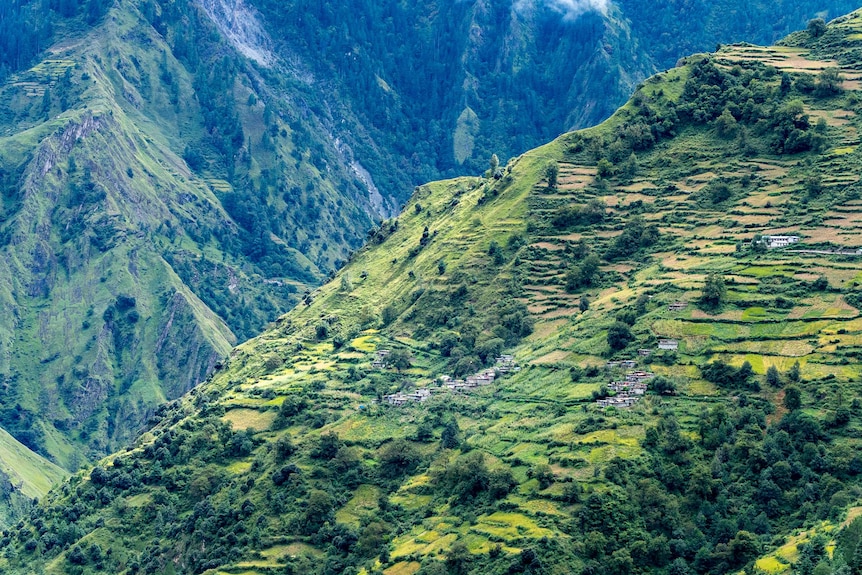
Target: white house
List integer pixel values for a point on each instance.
(773, 242)
(670, 344)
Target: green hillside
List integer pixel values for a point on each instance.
(653, 226)
(161, 201)
(176, 174)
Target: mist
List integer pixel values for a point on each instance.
(569, 9)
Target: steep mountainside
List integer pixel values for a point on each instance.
(24, 476)
(661, 230)
(174, 174)
(440, 86)
(161, 197)
(665, 29)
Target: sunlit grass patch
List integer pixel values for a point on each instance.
(541, 506)
(364, 343)
(610, 436)
(771, 565)
(140, 500)
(753, 313)
(605, 453)
(363, 502)
(239, 467)
(242, 419)
(507, 525)
(412, 544)
(411, 501)
(403, 568)
(367, 429)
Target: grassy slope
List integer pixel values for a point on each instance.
(31, 475)
(541, 415)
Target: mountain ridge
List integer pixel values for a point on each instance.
(652, 226)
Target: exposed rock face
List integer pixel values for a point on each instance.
(240, 23)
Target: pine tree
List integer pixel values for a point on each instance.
(346, 286)
(451, 436)
(794, 373)
(773, 378)
(46, 104)
(792, 398)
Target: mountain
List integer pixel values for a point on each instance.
(712, 222)
(163, 198)
(176, 174)
(440, 86)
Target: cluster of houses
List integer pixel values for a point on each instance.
(629, 391)
(619, 401)
(664, 344)
(471, 382)
(399, 399)
(503, 364)
(624, 364)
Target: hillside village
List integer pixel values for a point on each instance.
(503, 365)
(626, 392)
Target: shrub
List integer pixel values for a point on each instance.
(388, 314)
(828, 83)
(272, 362)
(792, 398)
(636, 235)
(284, 448)
(816, 27)
(551, 173)
(663, 386)
(725, 375)
(793, 374)
(582, 275)
(714, 291)
(542, 474)
(398, 457)
(773, 378)
(619, 336)
(604, 168)
(327, 446)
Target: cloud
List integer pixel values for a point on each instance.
(569, 9)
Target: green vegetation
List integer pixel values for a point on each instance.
(182, 205)
(714, 292)
(144, 156)
(288, 459)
